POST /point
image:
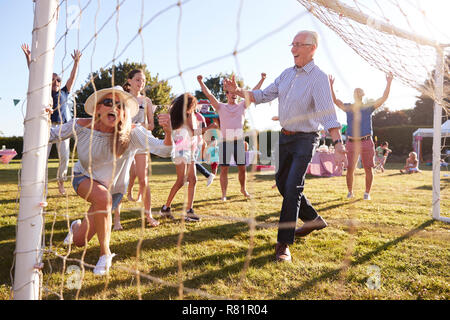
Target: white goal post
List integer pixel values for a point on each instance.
(30, 222)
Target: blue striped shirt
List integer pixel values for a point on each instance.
(304, 99)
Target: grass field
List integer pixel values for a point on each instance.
(393, 234)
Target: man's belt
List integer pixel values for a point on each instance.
(291, 133)
(360, 139)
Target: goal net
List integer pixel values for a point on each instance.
(376, 32)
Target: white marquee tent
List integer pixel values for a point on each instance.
(428, 132)
(421, 133)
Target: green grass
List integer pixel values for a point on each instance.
(394, 231)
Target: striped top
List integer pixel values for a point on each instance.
(304, 99)
(105, 167)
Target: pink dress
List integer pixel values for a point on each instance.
(186, 143)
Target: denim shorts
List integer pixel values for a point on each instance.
(78, 178)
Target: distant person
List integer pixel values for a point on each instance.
(305, 107)
(107, 143)
(201, 146)
(411, 164)
(61, 113)
(231, 116)
(381, 154)
(359, 133)
(212, 153)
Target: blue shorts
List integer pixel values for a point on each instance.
(78, 178)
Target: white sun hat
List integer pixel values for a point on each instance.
(128, 99)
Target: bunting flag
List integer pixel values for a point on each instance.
(16, 101)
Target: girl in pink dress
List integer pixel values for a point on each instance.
(186, 137)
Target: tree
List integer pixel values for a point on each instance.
(215, 85)
(387, 118)
(158, 91)
(423, 111)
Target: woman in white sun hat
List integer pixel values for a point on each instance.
(106, 145)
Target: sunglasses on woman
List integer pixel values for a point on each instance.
(110, 103)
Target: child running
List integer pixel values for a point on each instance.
(212, 154)
(381, 154)
(187, 135)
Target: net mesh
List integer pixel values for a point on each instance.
(413, 59)
(412, 62)
(408, 56)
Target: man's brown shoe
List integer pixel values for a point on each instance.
(309, 226)
(282, 252)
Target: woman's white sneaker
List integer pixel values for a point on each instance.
(103, 264)
(69, 238)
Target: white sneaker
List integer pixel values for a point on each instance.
(103, 264)
(366, 196)
(210, 179)
(69, 238)
(349, 195)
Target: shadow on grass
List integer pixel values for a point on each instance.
(333, 274)
(430, 188)
(7, 201)
(127, 250)
(169, 292)
(395, 174)
(341, 204)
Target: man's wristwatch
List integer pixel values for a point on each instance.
(335, 142)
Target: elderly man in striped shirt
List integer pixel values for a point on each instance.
(305, 107)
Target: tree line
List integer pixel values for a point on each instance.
(160, 92)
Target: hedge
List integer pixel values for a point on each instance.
(399, 138)
(16, 143)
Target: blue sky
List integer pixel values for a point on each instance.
(209, 29)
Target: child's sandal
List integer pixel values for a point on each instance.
(152, 222)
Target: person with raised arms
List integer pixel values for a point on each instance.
(231, 116)
(305, 107)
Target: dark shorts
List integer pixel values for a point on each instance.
(78, 178)
(235, 149)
